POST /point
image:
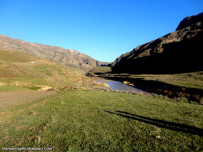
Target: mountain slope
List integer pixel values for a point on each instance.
(176, 52)
(18, 69)
(69, 57)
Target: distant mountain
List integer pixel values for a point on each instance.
(69, 57)
(176, 52)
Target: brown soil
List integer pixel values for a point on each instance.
(18, 97)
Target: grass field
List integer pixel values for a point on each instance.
(77, 120)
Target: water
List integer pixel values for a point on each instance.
(119, 86)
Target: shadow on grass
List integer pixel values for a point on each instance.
(160, 123)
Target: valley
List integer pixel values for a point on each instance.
(170, 65)
(47, 100)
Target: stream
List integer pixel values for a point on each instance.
(119, 86)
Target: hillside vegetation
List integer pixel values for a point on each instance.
(18, 69)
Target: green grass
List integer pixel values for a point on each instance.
(100, 70)
(16, 56)
(103, 121)
(191, 80)
(5, 88)
(34, 88)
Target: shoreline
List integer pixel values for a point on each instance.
(161, 88)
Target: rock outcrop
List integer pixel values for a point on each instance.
(176, 52)
(190, 20)
(68, 57)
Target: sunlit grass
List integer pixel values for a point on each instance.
(103, 121)
(16, 56)
(5, 88)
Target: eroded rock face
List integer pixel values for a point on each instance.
(176, 52)
(69, 57)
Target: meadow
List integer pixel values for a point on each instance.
(88, 120)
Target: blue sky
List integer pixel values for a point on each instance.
(102, 29)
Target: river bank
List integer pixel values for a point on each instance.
(169, 90)
(188, 86)
(122, 87)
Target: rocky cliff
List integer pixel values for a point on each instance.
(176, 52)
(69, 57)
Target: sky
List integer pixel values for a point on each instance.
(102, 29)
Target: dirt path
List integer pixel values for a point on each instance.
(18, 97)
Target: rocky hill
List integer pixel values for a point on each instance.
(69, 57)
(176, 52)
